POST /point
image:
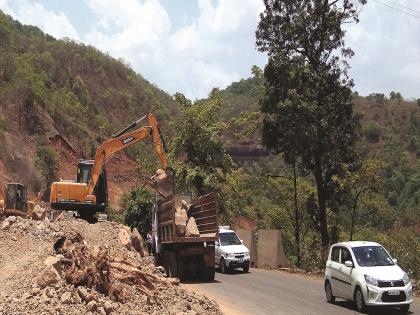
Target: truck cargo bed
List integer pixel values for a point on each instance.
(204, 211)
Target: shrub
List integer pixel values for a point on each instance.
(372, 133)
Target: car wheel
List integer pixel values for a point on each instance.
(359, 300)
(329, 293)
(223, 268)
(405, 308)
(246, 268)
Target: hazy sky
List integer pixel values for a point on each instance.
(192, 46)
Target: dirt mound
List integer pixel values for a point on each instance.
(72, 267)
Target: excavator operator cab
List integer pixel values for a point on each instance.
(16, 199)
(84, 175)
(84, 171)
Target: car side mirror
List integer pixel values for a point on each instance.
(216, 243)
(348, 264)
(242, 241)
(394, 260)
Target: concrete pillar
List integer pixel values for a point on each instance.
(270, 250)
(250, 241)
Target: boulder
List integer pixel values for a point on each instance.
(66, 298)
(125, 238)
(191, 229)
(11, 219)
(5, 225)
(92, 306)
(48, 277)
(137, 242)
(109, 308)
(38, 213)
(55, 262)
(181, 219)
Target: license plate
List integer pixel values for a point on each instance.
(394, 292)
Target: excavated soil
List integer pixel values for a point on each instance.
(27, 244)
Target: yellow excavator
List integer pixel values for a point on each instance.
(15, 201)
(89, 194)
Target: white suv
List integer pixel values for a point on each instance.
(230, 253)
(365, 273)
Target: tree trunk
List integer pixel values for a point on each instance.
(297, 224)
(322, 203)
(352, 220)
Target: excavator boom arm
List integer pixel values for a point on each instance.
(121, 141)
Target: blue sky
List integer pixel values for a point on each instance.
(191, 46)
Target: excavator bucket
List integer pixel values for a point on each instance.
(163, 182)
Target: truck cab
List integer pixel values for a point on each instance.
(230, 253)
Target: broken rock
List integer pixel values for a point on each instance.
(38, 213)
(109, 308)
(48, 277)
(92, 306)
(125, 238)
(11, 219)
(66, 298)
(55, 262)
(191, 228)
(137, 242)
(5, 225)
(181, 219)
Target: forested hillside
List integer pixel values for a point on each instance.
(385, 191)
(59, 100)
(390, 133)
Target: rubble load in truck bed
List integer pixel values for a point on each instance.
(196, 220)
(72, 267)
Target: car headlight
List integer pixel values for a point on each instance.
(246, 254)
(406, 279)
(371, 280)
(231, 255)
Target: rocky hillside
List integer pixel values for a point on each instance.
(59, 100)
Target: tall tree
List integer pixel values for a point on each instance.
(202, 161)
(307, 104)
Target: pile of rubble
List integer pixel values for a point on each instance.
(72, 267)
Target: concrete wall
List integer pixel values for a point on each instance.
(250, 241)
(270, 250)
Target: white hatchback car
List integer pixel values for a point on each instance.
(365, 273)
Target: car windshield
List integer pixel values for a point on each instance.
(229, 239)
(370, 256)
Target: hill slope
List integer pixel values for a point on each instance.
(59, 100)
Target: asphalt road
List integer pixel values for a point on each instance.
(276, 292)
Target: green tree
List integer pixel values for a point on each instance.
(257, 72)
(292, 195)
(47, 162)
(198, 144)
(307, 105)
(395, 96)
(369, 177)
(138, 206)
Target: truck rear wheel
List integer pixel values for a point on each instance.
(173, 265)
(208, 274)
(180, 263)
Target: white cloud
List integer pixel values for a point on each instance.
(34, 13)
(202, 54)
(387, 47)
